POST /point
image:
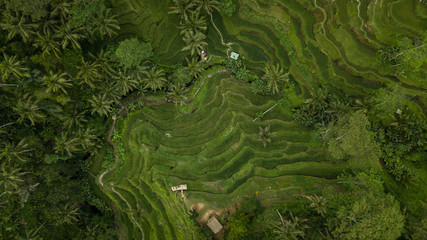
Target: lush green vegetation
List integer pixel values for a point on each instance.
(317, 131)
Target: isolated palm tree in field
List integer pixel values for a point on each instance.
(69, 35)
(154, 78)
(27, 108)
(48, 43)
(100, 104)
(10, 179)
(194, 42)
(207, 5)
(65, 144)
(88, 73)
(17, 26)
(56, 82)
(183, 7)
(265, 135)
(274, 75)
(106, 24)
(194, 22)
(318, 204)
(12, 66)
(194, 66)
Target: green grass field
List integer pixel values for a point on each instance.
(215, 150)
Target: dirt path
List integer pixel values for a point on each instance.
(203, 82)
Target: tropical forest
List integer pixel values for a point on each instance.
(213, 119)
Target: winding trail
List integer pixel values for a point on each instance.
(228, 44)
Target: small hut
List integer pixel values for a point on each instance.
(179, 187)
(234, 55)
(214, 225)
(204, 55)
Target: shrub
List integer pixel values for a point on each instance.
(131, 52)
(227, 7)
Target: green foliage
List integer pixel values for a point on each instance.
(181, 76)
(351, 136)
(71, 59)
(239, 224)
(82, 13)
(131, 52)
(259, 86)
(227, 7)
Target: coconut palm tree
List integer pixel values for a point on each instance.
(265, 135)
(88, 73)
(100, 104)
(194, 42)
(290, 229)
(67, 215)
(62, 10)
(318, 204)
(12, 152)
(194, 66)
(76, 118)
(183, 7)
(194, 22)
(65, 144)
(106, 24)
(274, 75)
(10, 179)
(86, 138)
(12, 66)
(178, 94)
(154, 78)
(103, 60)
(56, 82)
(48, 43)
(111, 91)
(207, 5)
(68, 34)
(17, 26)
(26, 108)
(124, 82)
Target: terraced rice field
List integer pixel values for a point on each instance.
(212, 144)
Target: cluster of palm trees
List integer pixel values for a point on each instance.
(193, 23)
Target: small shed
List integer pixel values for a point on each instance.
(234, 55)
(214, 225)
(179, 187)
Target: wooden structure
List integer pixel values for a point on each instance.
(179, 187)
(214, 225)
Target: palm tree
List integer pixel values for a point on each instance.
(12, 152)
(100, 104)
(68, 34)
(86, 138)
(26, 108)
(154, 78)
(194, 22)
(183, 7)
(48, 43)
(88, 73)
(194, 66)
(18, 26)
(290, 229)
(103, 60)
(56, 81)
(194, 42)
(65, 144)
(67, 215)
(12, 66)
(106, 24)
(318, 204)
(76, 118)
(111, 91)
(274, 75)
(62, 9)
(207, 5)
(178, 94)
(265, 135)
(10, 179)
(125, 83)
